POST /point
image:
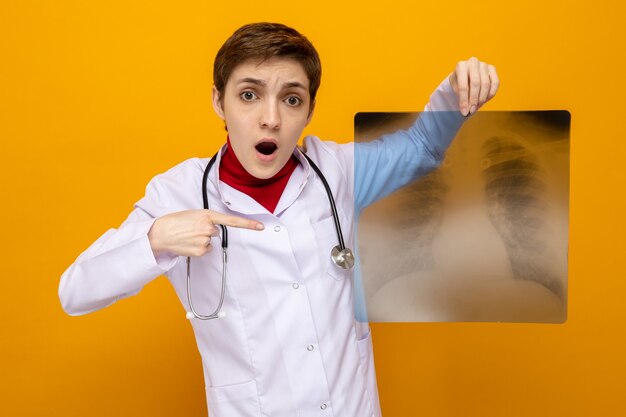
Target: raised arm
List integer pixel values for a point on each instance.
(396, 159)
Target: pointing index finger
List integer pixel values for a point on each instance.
(234, 221)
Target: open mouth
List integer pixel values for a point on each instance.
(266, 148)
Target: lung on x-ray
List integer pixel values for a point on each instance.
(484, 237)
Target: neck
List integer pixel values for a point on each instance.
(266, 192)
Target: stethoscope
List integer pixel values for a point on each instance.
(341, 256)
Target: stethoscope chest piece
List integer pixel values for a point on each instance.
(343, 258)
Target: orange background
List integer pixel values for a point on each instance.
(98, 97)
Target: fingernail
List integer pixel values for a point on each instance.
(260, 226)
(464, 110)
(472, 109)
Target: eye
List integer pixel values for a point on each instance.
(247, 96)
(294, 101)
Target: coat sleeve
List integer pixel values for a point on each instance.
(396, 159)
(117, 265)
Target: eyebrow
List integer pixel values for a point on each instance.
(263, 83)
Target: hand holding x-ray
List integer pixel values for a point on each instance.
(475, 82)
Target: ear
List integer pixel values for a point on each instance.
(217, 106)
(310, 116)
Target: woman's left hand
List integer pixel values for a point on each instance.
(475, 83)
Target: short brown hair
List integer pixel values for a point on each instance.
(261, 41)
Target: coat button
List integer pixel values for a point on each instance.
(295, 285)
(277, 229)
(323, 406)
(310, 348)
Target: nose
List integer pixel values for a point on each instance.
(270, 114)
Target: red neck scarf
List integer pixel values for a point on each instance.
(266, 192)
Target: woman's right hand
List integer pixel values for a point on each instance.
(188, 233)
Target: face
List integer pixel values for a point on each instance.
(265, 107)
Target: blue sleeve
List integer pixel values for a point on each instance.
(394, 160)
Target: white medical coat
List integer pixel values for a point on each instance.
(290, 344)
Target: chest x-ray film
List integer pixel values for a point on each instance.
(484, 236)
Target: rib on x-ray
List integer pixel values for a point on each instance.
(481, 238)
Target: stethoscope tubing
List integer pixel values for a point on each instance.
(217, 313)
(331, 199)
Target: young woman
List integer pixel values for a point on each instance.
(286, 340)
